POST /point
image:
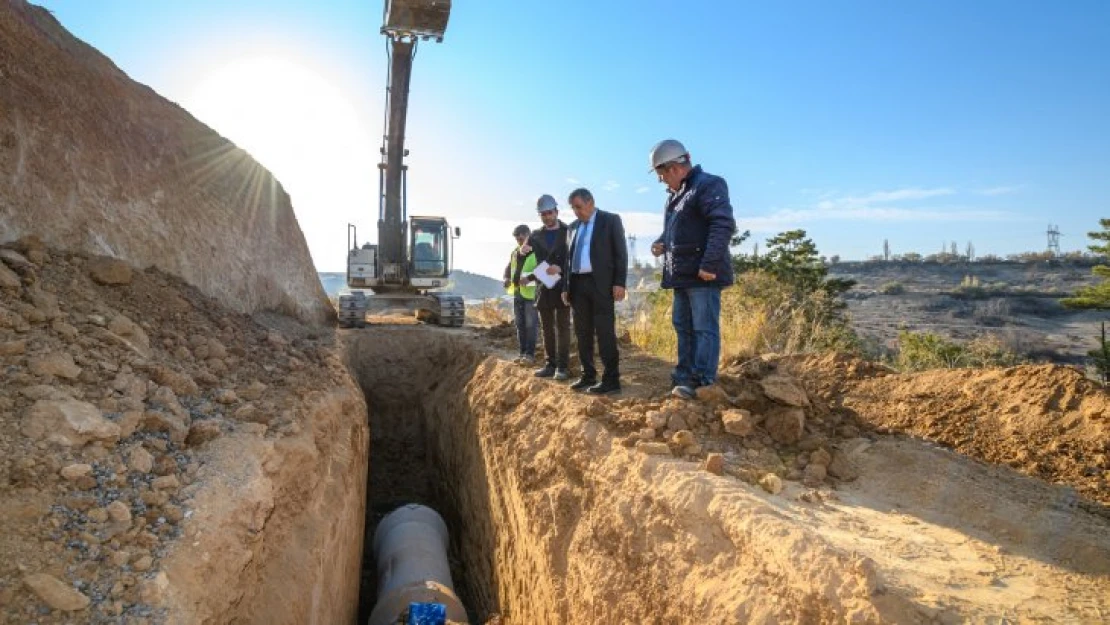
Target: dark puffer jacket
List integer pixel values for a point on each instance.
(698, 226)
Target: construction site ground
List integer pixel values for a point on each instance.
(165, 460)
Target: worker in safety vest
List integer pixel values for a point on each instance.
(521, 284)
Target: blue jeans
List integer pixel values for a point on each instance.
(527, 324)
(697, 323)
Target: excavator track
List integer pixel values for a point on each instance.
(451, 310)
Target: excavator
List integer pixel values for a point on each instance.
(412, 258)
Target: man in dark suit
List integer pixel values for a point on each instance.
(549, 244)
(598, 273)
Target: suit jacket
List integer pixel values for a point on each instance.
(554, 255)
(608, 252)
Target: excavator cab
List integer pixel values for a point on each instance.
(425, 19)
(431, 251)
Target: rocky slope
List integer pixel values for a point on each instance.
(164, 459)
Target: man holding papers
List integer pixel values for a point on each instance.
(549, 244)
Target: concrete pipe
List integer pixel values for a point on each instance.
(410, 549)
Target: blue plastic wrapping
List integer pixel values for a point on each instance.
(427, 614)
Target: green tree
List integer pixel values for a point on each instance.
(1096, 296)
(793, 260)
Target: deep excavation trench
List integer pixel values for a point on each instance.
(424, 449)
(552, 521)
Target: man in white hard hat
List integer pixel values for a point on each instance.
(698, 225)
(549, 244)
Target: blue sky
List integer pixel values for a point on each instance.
(920, 123)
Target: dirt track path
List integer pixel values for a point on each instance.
(981, 542)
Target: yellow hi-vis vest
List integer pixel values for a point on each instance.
(527, 291)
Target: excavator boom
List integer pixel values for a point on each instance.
(412, 256)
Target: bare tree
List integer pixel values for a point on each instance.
(886, 250)
(970, 252)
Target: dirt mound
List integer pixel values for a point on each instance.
(93, 161)
(127, 396)
(1046, 421)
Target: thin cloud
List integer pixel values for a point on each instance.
(993, 191)
(573, 181)
(611, 185)
(643, 189)
(881, 197)
(789, 218)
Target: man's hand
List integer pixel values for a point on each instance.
(554, 270)
(566, 298)
(618, 293)
(656, 249)
(525, 249)
(705, 275)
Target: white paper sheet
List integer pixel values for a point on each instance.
(541, 274)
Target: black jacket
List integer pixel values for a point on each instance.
(608, 252)
(697, 228)
(554, 255)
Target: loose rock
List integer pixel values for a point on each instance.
(715, 463)
(738, 421)
(166, 482)
(814, 474)
(13, 348)
(820, 457)
(202, 431)
(110, 271)
(59, 364)
(653, 448)
(68, 422)
(8, 278)
(56, 593)
(119, 512)
(140, 460)
(74, 471)
(785, 425)
(784, 390)
(843, 467)
(771, 483)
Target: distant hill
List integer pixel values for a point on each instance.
(469, 285)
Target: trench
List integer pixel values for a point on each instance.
(425, 448)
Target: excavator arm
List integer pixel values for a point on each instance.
(405, 23)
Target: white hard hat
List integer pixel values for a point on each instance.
(546, 203)
(666, 151)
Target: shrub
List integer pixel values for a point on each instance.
(918, 351)
(759, 314)
(491, 311)
(892, 288)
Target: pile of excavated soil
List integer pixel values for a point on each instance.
(133, 410)
(1046, 421)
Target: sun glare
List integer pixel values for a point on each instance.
(301, 127)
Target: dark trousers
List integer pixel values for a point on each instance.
(555, 322)
(594, 314)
